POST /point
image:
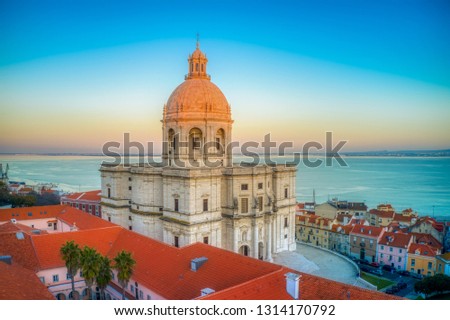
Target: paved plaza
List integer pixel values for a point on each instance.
(319, 262)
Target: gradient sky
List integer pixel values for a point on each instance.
(75, 74)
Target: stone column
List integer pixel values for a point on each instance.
(235, 238)
(255, 238)
(269, 240)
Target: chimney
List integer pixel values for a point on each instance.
(197, 263)
(206, 291)
(6, 259)
(292, 284)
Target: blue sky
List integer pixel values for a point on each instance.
(375, 73)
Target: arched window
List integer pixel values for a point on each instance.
(196, 67)
(195, 137)
(220, 140)
(192, 67)
(171, 140)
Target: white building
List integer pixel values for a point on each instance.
(199, 195)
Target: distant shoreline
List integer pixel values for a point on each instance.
(393, 154)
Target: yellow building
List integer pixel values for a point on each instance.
(422, 259)
(314, 230)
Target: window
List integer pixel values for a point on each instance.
(390, 258)
(132, 288)
(42, 279)
(68, 277)
(109, 192)
(205, 205)
(285, 236)
(176, 204)
(129, 188)
(260, 185)
(286, 222)
(205, 240)
(412, 269)
(286, 192)
(149, 297)
(81, 273)
(390, 249)
(113, 276)
(176, 241)
(141, 294)
(400, 250)
(260, 204)
(196, 67)
(244, 205)
(109, 219)
(55, 278)
(129, 218)
(381, 256)
(129, 178)
(399, 259)
(430, 265)
(413, 262)
(244, 186)
(218, 143)
(130, 228)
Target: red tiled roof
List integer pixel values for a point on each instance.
(18, 283)
(47, 246)
(422, 249)
(398, 240)
(382, 214)
(21, 250)
(14, 227)
(401, 218)
(64, 213)
(425, 238)
(273, 287)
(94, 195)
(366, 231)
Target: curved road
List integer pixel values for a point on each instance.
(318, 262)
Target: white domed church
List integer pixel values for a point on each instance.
(198, 194)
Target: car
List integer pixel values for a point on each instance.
(395, 289)
(403, 272)
(376, 271)
(388, 268)
(362, 261)
(374, 264)
(402, 285)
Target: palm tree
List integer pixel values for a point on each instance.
(71, 254)
(90, 266)
(104, 276)
(124, 263)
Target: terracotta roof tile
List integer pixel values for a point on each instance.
(18, 283)
(366, 231)
(94, 196)
(422, 249)
(398, 240)
(21, 250)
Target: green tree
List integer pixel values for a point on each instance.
(124, 264)
(71, 254)
(104, 276)
(90, 266)
(435, 284)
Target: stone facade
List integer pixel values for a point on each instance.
(197, 194)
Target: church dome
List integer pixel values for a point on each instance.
(197, 98)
